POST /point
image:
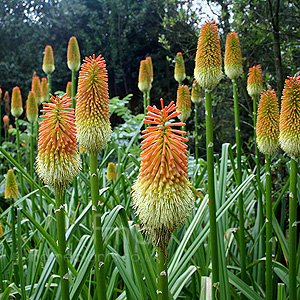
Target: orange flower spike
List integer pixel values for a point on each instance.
(161, 194)
(11, 188)
(233, 62)
(144, 83)
(150, 66)
(58, 160)
(179, 72)
(37, 89)
(48, 61)
(289, 126)
(32, 112)
(267, 126)
(5, 121)
(44, 88)
(184, 102)
(16, 102)
(92, 110)
(73, 54)
(255, 81)
(208, 61)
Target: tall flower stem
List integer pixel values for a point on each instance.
(14, 243)
(148, 98)
(98, 241)
(196, 133)
(293, 230)
(32, 139)
(268, 229)
(211, 191)
(239, 180)
(61, 237)
(19, 157)
(145, 102)
(49, 83)
(162, 275)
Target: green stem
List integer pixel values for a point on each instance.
(293, 230)
(20, 254)
(268, 229)
(98, 241)
(162, 275)
(196, 132)
(19, 158)
(86, 189)
(49, 84)
(14, 253)
(148, 98)
(211, 190)
(32, 138)
(61, 238)
(239, 181)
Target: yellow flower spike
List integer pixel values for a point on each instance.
(36, 88)
(255, 81)
(11, 188)
(196, 92)
(92, 110)
(150, 66)
(144, 83)
(44, 88)
(111, 172)
(208, 62)
(289, 126)
(179, 72)
(58, 160)
(184, 102)
(16, 102)
(267, 126)
(69, 89)
(162, 193)
(48, 61)
(32, 112)
(73, 54)
(233, 62)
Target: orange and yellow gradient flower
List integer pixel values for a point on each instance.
(162, 193)
(73, 54)
(208, 61)
(58, 160)
(267, 126)
(92, 110)
(179, 72)
(183, 102)
(289, 126)
(48, 60)
(16, 102)
(144, 83)
(37, 89)
(255, 81)
(44, 88)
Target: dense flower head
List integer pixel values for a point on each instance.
(111, 172)
(150, 66)
(37, 89)
(92, 109)
(208, 62)
(11, 188)
(255, 81)
(289, 126)
(16, 102)
(69, 89)
(58, 160)
(144, 83)
(162, 195)
(196, 92)
(48, 61)
(73, 54)
(267, 126)
(183, 102)
(179, 72)
(44, 88)
(32, 111)
(233, 62)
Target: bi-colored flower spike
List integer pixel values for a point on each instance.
(69, 89)
(73, 54)
(32, 112)
(92, 110)
(11, 188)
(179, 73)
(144, 83)
(150, 66)
(233, 62)
(196, 92)
(208, 62)
(48, 61)
(267, 126)
(16, 102)
(58, 160)
(44, 88)
(162, 193)
(111, 172)
(255, 81)
(289, 126)
(36, 88)
(184, 102)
